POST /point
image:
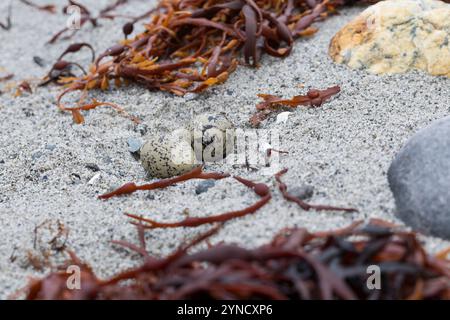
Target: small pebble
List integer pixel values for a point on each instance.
(50, 147)
(39, 61)
(93, 167)
(204, 186)
(36, 155)
(134, 145)
(302, 192)
(190, 96)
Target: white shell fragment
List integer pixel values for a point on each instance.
(283, 117)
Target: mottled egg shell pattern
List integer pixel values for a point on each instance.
(168, 155)
(396, 36)
(212, 137)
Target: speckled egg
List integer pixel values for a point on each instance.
(168, 155)
(212, 137)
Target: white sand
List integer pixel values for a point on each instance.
(343, 149)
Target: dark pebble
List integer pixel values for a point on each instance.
(302, 192)
(204, 186)
(93, 167)
(39, 61)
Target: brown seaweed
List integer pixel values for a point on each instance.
(259, 189)
(50, 8)
(196, 173)
(189, 46)
(302, 204)
(296, 264)
(313, 98)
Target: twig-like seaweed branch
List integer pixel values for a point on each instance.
(314, 98)
(260, 189)
(302, 204)
(50, 8)
(196, 173)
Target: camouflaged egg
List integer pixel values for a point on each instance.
(212, 137)
(168, 155)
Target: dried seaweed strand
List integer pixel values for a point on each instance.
(260, 189)
(196, 173)
(50, 8)
(313, 98)
(302, 204)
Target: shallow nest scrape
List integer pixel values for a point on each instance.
(190, 45)
(296, 264)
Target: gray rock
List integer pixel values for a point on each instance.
(134, 145)
(36, 155)
(204, 186)
(50, 147)
(190, 96)
(419, 178)
(302, 192)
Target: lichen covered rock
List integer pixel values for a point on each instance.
(397, 36)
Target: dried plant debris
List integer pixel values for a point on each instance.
(313, 98)
(260, 189)
(188, 46)
(7, 24)
(49, 243)
(196, 173)
(296, 264)
(6, 77)
(50, 8)
(302, 204)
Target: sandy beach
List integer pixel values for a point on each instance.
(47, 163)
